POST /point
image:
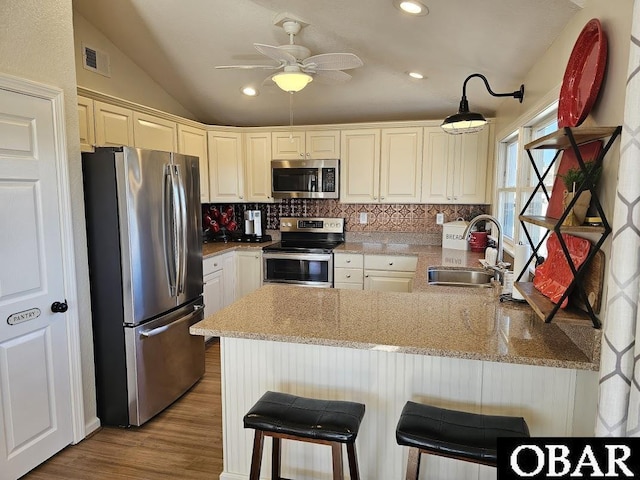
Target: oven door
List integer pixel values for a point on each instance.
(308, 269)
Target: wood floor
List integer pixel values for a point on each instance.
(183, 442)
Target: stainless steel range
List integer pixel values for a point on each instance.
(304, 256)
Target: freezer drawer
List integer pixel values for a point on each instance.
(163, 361)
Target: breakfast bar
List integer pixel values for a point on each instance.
(458, 348)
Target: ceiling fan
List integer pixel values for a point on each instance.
(299, 67)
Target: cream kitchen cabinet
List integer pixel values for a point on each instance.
(86, 124)
(219, 288)
(114, 125)
(312, 144)
(381, 165)
(226, 181)
(348, 271)
(258, 167)
(249, 271)
(389, 273)
(154, 133)
(193, 141)
(454, 167)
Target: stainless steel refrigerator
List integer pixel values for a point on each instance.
(145, 266)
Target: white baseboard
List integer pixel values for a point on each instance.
(91, 426)
(232, 476)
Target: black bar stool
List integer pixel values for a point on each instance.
(464, 436)
(328, 422)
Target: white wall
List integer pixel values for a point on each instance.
(128, 81)
(36, 42)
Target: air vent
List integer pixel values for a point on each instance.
(96, 60)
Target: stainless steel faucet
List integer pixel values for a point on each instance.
(500, 266)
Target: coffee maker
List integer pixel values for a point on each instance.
(254, 227)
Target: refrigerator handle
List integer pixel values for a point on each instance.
(168, 216)
(182, 231)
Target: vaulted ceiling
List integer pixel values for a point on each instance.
(178, 43)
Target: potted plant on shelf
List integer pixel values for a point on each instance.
(572, 180)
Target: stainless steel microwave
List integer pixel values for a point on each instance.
(305, 178)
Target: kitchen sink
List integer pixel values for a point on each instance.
(459, 278)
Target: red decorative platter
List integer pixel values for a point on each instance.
(583, 76)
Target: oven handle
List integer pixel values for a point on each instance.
(298, 256)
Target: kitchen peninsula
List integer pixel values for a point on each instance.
(453, 347)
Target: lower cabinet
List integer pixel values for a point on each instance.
(219, 282)
(347, 271)
(389, 273)
(249, 272)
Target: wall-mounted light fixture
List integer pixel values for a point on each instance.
(470, 122)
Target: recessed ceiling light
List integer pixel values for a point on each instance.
(416, 75)
(249, 91)
(412, 7)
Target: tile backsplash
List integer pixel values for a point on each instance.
(381, 218)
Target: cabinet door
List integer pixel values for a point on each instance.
(228, 278)
(249, 272)
(437, 161)
(360, 166)
(114, 125)
(86, 121)
(287, 145)
(322, 144)
(470, 167)
(193, 141)
(388, 281)
(213, 293)
(401, 165)
(154, 133)
(258, 167)
(225, 166)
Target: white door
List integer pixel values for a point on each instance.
(35, 390)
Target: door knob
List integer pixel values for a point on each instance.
(59, 307)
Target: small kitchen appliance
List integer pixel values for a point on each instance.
(305, 178)
(304, 256)
(253, 222)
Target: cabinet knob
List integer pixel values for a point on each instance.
(375, 198)
(390, 263)
(301, 154)
(367, 276)
(381, 198)
(348, 276)
(308, 154)
(348, 261)
(240, 197)
(215, 264)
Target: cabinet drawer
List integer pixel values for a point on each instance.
(347, 260)
(348, 286)
(211, 264)
(348, 275)
(402, 263)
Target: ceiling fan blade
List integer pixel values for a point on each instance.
(332, 61)
(331, 77)
(248, 67)
(276, 53)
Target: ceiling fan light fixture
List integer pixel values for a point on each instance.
(470, 122)
(412, 7)
(416, 75)
(292, 81)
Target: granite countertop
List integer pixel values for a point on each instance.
(432, 320)
(217, 248)
(443, 321)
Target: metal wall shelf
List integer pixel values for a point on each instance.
(560, 140)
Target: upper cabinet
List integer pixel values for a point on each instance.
(258, 167)
(193, 141)
(454, 167)
(381, 165)
(226, 176)
(312, 144)
(114, 125)
(86, 123)
(154, 133)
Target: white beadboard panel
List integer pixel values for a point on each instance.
(586, 404)
(544, 396)
(384, 381)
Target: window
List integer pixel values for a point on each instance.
(516, 179)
